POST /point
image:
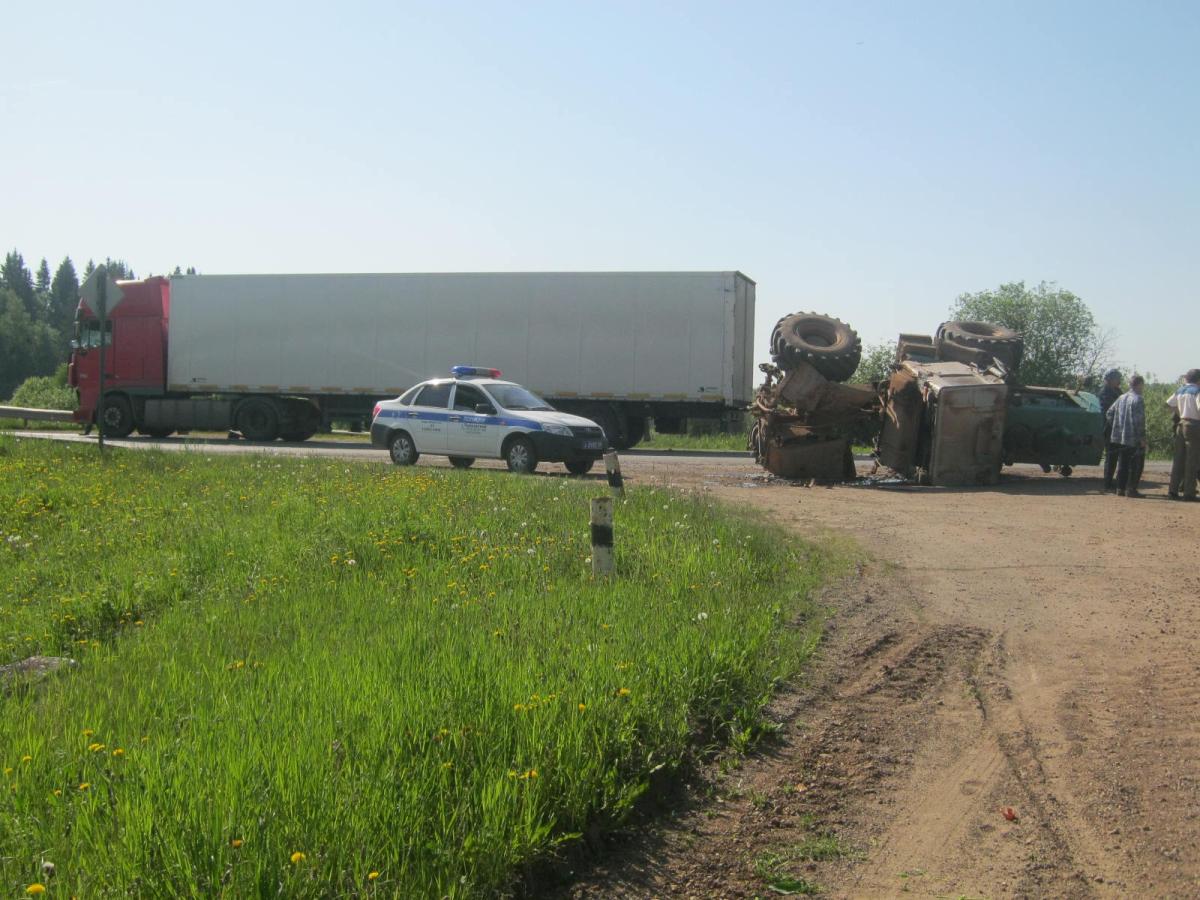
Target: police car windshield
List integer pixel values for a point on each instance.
(513, 396)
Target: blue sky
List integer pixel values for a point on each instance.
(871, 161)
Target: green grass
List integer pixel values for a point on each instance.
(772, 869)
(402, 672)
(657, 441)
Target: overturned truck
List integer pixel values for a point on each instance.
(951, 412)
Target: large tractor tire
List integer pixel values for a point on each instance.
(829, 345)
(978, 341)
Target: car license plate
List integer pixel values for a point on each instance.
(592, 445)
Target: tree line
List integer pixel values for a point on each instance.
(37, 315)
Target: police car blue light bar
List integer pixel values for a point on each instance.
(474, 372)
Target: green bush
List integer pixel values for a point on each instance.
(1159, 428)
(45, 392)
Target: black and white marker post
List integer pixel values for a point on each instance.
(602, 537)
(612, 465)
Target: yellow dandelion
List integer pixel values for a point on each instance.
(57, 792)
(235, 843)
(34, 889)
(623, 692)
(447, 765)
(7, 771)
(298, 858)
(95, 748)
(145, 739)
(26, 758)
(118, 752)
(87, 732)
(85, 785)
(533, 773)
(582, 707)
(371, 876)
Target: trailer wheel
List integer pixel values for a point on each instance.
(462, 462)
(1065, 471)
(579, 466)
(118, 416)
(257, 420)
(297, 436)
(829, 345)
(635, 430)
(402, 449)
(520, 455)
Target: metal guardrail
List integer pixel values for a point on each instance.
(35, 415)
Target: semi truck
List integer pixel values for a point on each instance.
(282, 356)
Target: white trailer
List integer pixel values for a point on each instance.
(618, 347)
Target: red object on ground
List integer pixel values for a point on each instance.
(1009, 813)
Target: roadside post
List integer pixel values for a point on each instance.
(612, 465)
(102, 314)
(602, 537)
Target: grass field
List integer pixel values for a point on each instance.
(302, 678)
(657, 441)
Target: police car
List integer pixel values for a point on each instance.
(475, 415)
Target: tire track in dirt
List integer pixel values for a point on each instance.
(847, 741)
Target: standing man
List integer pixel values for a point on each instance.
(1108, 396)
(1185, 465)
(1127, 418)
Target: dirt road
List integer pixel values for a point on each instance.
(1034, 646)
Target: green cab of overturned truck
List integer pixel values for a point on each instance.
(1054, 428)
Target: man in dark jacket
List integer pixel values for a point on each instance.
(1108, 396)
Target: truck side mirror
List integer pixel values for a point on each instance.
(485, 409)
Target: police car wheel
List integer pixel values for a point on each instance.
(579, 466)
(402, 449)
(462, 462)
(520, 456)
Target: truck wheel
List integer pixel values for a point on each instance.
(579, 466)
(829, 345)
(520, 456)
(1065, 471)
(118, 416)
(635, 430)
(258, 420)
(965, 341)
(462, 462)
(402, 449)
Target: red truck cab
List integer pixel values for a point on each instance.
(135, 353)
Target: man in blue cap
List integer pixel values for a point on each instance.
(1185, 405)
(1108, 396)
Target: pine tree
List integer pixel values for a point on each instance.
(118, 268)
(88, 270)
(64, 298)
(16, 277)
(43, 278)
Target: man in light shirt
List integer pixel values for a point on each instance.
(1185, 466)
(1127, 417)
